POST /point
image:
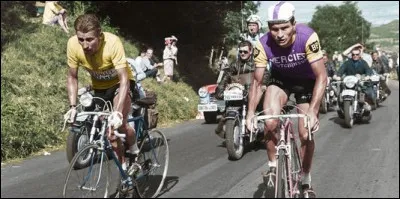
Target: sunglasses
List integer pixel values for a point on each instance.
(355, 54)
(243, 51)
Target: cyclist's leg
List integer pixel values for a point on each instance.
(125, 128)
(303, 100)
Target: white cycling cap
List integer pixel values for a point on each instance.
(281, 12)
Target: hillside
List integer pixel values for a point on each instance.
(386, 35)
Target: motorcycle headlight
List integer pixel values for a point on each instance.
(202, 92)
(350, 84)
(86, 99)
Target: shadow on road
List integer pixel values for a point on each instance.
(263, 192)
(170, 181)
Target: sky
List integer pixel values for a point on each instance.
(376, 12)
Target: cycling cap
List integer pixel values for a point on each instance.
(281, 12)
(254, 19)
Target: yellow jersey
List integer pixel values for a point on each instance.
(103, 64)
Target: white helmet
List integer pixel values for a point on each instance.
(281, 12)
(254, 19)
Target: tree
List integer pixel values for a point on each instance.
(339, 27)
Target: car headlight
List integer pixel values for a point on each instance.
(203, 92)
(86, 99)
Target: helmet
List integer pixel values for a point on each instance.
(281, 12)
(254, 19)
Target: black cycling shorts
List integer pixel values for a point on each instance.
(301, 88)
(110, 93)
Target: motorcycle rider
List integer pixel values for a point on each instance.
(330, 71)
(382, 69)
(357, 66)
(238, 72)
(253, 26)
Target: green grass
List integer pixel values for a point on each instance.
(34, 95)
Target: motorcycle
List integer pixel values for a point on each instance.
(235, 97)
(330, 98)
(80, 132)
(352, 101)
(379, 92)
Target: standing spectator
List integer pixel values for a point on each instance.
(169, 58)
(54, 13)
(397, 66)
(174, 49)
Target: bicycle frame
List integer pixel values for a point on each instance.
(286, 134)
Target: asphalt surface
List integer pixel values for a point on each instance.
(348, 163)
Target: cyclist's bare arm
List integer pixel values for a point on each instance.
(319, 86)
(254, 89)
(124, 85)
(72, 85)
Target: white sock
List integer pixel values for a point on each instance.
(307, 178)
(124, 166)
(134, 149)
(272, 163)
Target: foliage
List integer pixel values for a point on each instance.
(13, 18)
(339, 27)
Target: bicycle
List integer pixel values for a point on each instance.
(141, 179)
(289, 168)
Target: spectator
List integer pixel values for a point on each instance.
(169, 58)
(54, 13)
(337, 59)
(148, 68)
(174, 49)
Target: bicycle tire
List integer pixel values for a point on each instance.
(78, 179)
(154, 164)
(281, 180)
(296, 167)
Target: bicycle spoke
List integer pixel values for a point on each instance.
(89, 181)
(153, 159)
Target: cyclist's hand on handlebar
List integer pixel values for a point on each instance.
(115, 119)
(314, 121)
(249, 122)
(70, 115)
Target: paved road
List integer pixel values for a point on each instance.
(358, 162)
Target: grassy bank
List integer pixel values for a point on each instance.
(34, 96)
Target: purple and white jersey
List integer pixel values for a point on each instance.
(293, 61)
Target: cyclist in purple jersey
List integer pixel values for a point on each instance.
(296, 67)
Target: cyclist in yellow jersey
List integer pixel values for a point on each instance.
(296, 67)
(103, 56)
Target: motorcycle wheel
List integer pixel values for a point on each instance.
(324, 105)
(348, 114)
(210, 117)
(233, 137)
(75, 142)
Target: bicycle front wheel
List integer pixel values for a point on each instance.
(281, 188)
(153, 159)
(91, 181)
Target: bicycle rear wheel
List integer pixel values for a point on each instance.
(91, 181)
(153, 159)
